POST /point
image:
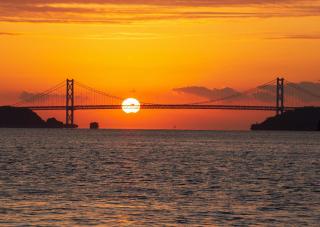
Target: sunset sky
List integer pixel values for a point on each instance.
(149, 49)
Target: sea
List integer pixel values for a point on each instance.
(66, 177)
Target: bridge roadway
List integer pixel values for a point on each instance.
(164, 107)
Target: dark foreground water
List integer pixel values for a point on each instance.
(167, 178)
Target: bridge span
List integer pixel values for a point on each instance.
(71, 96)
(164, 107)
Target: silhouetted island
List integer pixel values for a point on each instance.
(14, 117)
(300, 119)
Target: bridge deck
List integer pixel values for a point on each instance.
(163, 107)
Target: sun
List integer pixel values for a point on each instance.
(131, 105)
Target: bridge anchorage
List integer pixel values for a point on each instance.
(71, 95)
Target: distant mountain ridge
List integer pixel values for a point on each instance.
(15, 117)
(300, 119)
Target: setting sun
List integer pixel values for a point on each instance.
(131, 105)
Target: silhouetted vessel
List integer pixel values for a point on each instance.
(94, 125)
(300, 119)
(14, 117)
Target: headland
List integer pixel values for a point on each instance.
(300, 119)
(15, 117)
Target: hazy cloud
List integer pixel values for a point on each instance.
(9, 33)
(204, 92)
(297, 36)
(306, 92)
(30, 96)
(26, 95)
(124, 11)
(150, 2)
(34, 98)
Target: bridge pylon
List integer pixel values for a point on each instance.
(69, 103)
(280, 96)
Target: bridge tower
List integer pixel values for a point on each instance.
(69, 103)
(280, 96)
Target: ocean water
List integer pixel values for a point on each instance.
(158, 178)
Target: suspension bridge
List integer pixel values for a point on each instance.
(277, 95)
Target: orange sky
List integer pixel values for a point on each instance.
(146, 48)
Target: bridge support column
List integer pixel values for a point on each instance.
(280, 96)
(69, 103)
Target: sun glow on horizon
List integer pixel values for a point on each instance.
(131, 105)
